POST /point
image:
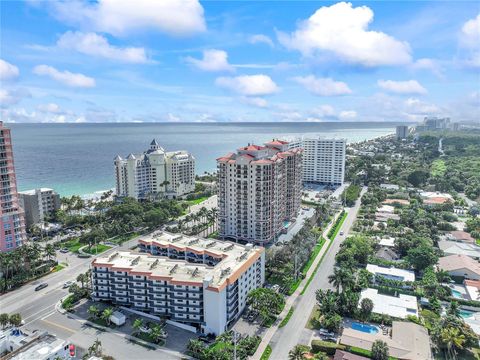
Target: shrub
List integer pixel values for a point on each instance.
(327, 347)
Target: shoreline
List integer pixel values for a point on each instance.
(95, 195)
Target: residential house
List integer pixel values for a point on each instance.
(459, 248)
(460, 265)
(399, 306)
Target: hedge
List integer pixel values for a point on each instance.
(266, 353)
(324, 346)
(473, 303)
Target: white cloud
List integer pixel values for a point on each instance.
(175, 17)
(429, 64)
(49, 108)
(213, 60)
(323, 86)
(417, 107)
(255, 101)
(17, 115)
(342, 30)
(249, 85)
(347, 115)
(402, 87)
(12, 97)
(8, 71)
(260, 38)
(324, 111)
(470, 34)
(97, 45)
(470, 39)
(172, 118)
(65, 77)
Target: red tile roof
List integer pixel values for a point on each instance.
(277, 142)
(251, 148)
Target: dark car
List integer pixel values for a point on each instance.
(64, 250)
(41, 286)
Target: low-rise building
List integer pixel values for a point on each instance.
(459, 235)
(387, 242)
(408, 341)
(399, 306)
(39, 204)
(16, 344)
(391, 273)
(459, 248)
(473, 289)
(461, 266)
(385, 213)
(198, 282)
(431, 198)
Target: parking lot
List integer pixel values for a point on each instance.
(176, 338)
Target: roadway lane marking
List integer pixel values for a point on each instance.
(38, 312)
(59, 326)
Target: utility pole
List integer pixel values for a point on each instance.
(234, 336)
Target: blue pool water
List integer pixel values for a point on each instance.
(370, 329)
(465, 313)
(457, 294)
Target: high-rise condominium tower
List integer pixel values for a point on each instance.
(155, 174)
(323, 159)
(12, 222)
(259, 191)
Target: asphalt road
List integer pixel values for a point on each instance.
(295, 332)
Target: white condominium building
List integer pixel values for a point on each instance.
(259, 191)
(198, 282)
(323, 159)
(38, 204)
(155, 173)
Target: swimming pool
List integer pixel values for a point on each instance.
(366, 328)
(457, 294)
(466, 313)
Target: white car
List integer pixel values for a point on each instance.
(67, 284)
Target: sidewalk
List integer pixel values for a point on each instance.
(291, 299)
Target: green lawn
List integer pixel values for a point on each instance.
(313, 321)
(146, 337)
(197, 201)
(287, 318)
(59, 267)
(73, 245)
(266, 353)
(98, 249)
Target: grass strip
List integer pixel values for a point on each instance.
(286, 318)
(266, 353)
(330, 242)
(337, 226)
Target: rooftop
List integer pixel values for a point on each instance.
(32, 192)
(459, 248)
(461, 236)
(409, 341)
(406, 275)
(458, 262)
(389, 242)
(235, 258)
(399, 307)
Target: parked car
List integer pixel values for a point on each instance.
(341, 233)
(41, 286)
(67, 284)
(64, 250)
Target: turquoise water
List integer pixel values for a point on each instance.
(457, 294)
(366, 328)
(78, 158)
(465, 313)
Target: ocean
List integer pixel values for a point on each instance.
(78, 158)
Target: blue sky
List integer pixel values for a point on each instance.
(112, 61)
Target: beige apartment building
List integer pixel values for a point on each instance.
(259, 191)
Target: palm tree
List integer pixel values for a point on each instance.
(453, 340)
(81, 279)
(95, 349)
(380, 350)
(137, 324)
(15, 319)
(341, 278)
(93, 310)
(157, 333)
(106, 315)
(195, 347)
(49, 251)
(453, 309)
(297, 352)
(4, 319)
